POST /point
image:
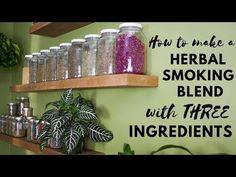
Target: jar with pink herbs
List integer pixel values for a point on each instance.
(130, 49)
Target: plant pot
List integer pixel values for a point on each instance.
(77, 150)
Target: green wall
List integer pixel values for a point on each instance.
(118, 108)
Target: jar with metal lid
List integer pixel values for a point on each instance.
(89, 55)
(3, 124)
(55, 143)
(18, 129)
(130, 49)
(33, 67)
(62, 61)
(41, 66)
(51, 64)
(27, 60)
(12, 109)
(30, 125)
(23, 103)
(106, 52)
(26, 121)
(9, 128)
(75, 58)
(27, 112)
(1, 120)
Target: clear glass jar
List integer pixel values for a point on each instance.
(27, 111)
(27, 60)
(51, 64)
(106, 52)
(41, 66)
(35, 129)
(33, 67)
(30, 126)
(12, 109)
(18, 129)
(89, 55)
(9, 128)
(55, 143)
(75, 58)
(130, 49)
(62, 61)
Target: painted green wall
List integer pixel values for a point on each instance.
(118, 108)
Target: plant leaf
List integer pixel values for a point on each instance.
(81, 129)
(57, 126)
(171, 146)
(87, 112)
(71, 138)
(98, 134)
(49, 115)
(57, 104)
(126, 150)
(67, 96)
(45, 132)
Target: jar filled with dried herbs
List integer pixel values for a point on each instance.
(89, 55)
(62, 61)
(51, 64)
(106, 52)
(130, 49)
(75, 58)
(33, 67)
(41, 67)
(18, 129)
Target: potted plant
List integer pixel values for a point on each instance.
(10, 52)
(72, 120)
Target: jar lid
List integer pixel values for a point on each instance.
(65, 44)
(28, 56)
(11, 104)
(78, 40)
(131, 25)
(36, 53)
(28, 109)
(44, 51)
(92, 36)
(24, 98)
(109, 31)
(18, 118)
(54, 47)
(36, 120)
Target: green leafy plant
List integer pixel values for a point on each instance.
(10, 52)
(127, 149)
(72, 120)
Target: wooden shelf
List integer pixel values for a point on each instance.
(106, 81)
(23, 143)
(54, 29)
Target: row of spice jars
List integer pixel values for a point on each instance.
(112, 52)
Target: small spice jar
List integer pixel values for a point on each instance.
(23, 103)
(18, 129)
(33, 67)
(130, 49)
(27, 60)
(10, 122)
(106, 52)
(89, 55)
(62, 61)
(30, 126)
(75, 58)
(51, 64)
(41, 66)
(12, 109)
(27, 112)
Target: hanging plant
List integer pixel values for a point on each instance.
(10, 52)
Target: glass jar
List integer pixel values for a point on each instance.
(89, 55)
(1, 123)
(33, 67)
(75, 58)
(55, 143)
(130, 49)
(41, 66)
(106, 52)
(18, 129)
(27, 60)
(12, 109)
(30, 126)
(62, 61)
(27, 112)
(26, 121)
(51, 64)
(23, 103)
(9, 128)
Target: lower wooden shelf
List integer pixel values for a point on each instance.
(23, 143)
